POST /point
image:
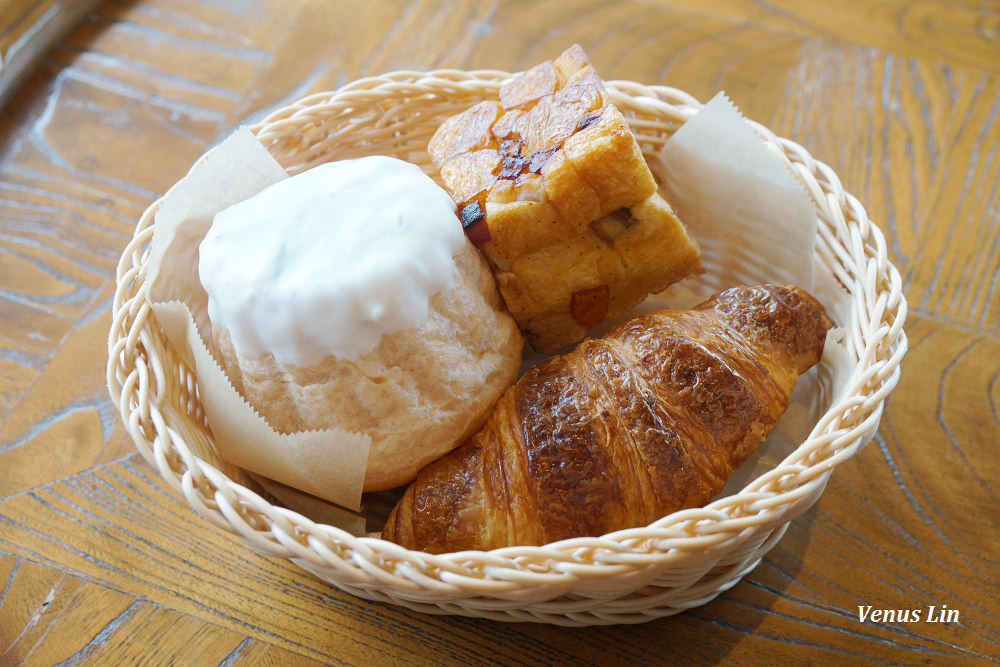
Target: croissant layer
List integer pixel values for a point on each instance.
(625, 429)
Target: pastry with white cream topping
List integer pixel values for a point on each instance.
(347, 296)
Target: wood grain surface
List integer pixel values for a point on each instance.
(100, 563)
(28, 29)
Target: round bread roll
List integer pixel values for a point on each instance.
(365, 309)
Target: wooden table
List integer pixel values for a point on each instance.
(101, 563)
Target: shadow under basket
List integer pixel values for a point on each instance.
(679, 562)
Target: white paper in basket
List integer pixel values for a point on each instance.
(329, 464)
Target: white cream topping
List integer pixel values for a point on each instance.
(330, 260)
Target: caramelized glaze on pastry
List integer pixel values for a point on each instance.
(552, 186)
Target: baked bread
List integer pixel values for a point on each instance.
(552, 187)
(650, 419)
(366, 310)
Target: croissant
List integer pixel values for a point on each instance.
(649, 419)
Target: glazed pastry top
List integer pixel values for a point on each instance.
(329, 260)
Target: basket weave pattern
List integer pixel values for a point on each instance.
(679, 562)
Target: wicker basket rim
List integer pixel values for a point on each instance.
(770, 500)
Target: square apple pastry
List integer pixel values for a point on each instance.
(553, 188)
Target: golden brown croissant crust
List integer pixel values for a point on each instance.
(649, 419)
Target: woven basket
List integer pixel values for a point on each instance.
(679, 562)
